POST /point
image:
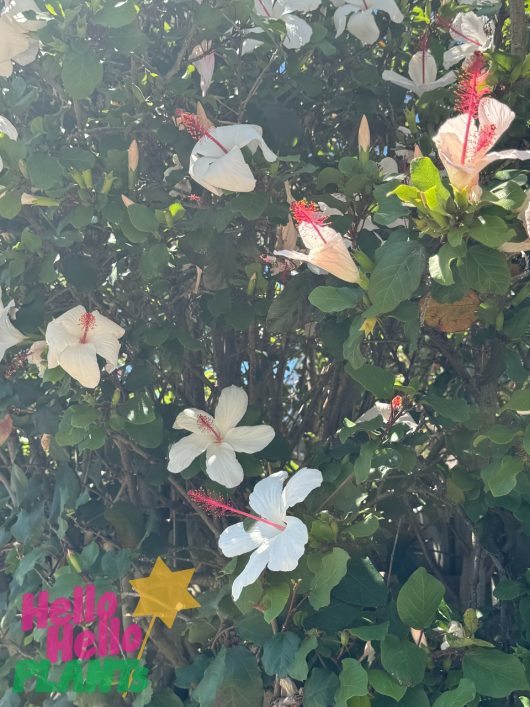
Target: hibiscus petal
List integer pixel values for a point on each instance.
(7, 127)
(232, 405)
(397, 79)
(390, 7)
(422, 68)
(335, 259)
(196, 421)
(236, 541)
(68, 323)
(229, 172)
(286, 549)
(363, 26)
(266, 498)
(298, 32)
(249, 439)
(222, 465)
(493, 112)
(300, 486)
(255, 566)
(455, 54)
(340, 18)
(183, 452)
(105, 327)
(80, 362)
(9, 334)
(107, 347)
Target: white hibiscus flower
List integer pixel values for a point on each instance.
(219, 437)
(16, 42)
(279, 541)
(76, 338)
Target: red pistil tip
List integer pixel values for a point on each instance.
(472, 86)
(211, 503)
(191, 123)
(397, 402)
(305, 211)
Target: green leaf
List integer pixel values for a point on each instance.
(370, 632)
(405, 661)
(385, 684)
(509, 589)
(279, 653)
(250, 206)
(419, 599)
(494, 673)
(415, 697)
(492, 231)
(44, 171)
(331, 570)
(83, 415)
(335, 299)
(353, 680)
(142, 218)
(362, 585)
(440, 264)
(485, 270)
(379, 381)
(82, 73)
(500, 477)
(519, 401)
(274, 599)
(351, 349)
(298, 669)
(241, 684)
(363, 464)
(319, 690)
(116, 13)
(10, 205)
(454, 409)
(498, 434)
(459, 697)
(128, 521)
(424, 176)
(397, 274)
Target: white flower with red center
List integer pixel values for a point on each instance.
(464, 142)
(391, 413)
(472, 34)
(203, 57)
(357, 17)
(16, 43)
(276, 540)
(326, 247)
(216, 161)
(422, 72)
(76, 338)
(9, 334)
(297, 31)
(220, 437)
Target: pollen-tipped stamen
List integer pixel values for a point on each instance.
(304, 211)
(217, 506)
(192, 125)
(87, 321)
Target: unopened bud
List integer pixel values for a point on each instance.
(128, 202)
(417, 152)
(31, 200)
(133, 156)
(364, 135)
(45, 442)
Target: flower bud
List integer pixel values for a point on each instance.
(133, 156)
(364, 135)
(128, 202)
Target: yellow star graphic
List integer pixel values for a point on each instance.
(164, 593)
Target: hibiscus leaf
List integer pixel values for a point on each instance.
(279, 653)
(353, 682)
(397, 274)
(485, 270)
(331, 569)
